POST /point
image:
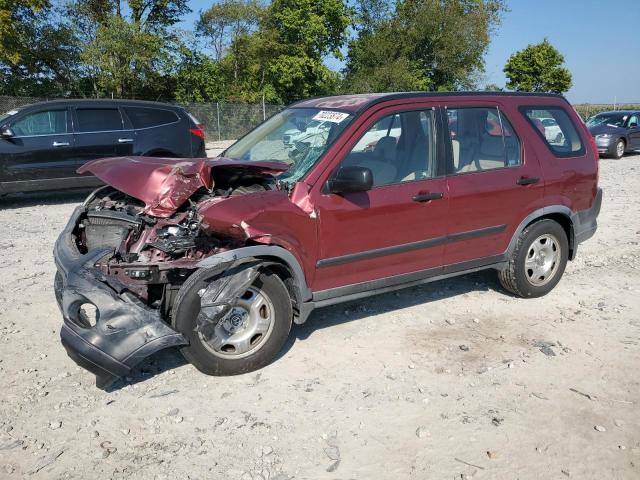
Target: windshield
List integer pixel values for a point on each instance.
(297, 136)
(5, 116)
(612, 119)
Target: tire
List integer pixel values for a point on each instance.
(203, 354)
(530, 274)
(619, 148)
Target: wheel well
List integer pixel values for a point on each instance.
(565, 223)
(283, 271)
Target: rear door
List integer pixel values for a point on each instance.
(398, 226)
(42, 147)
(493, 182)
(158, 131)
(100, 131)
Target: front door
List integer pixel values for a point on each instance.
(633, 124)
(398, 226)
(492, 182)
(41, 147)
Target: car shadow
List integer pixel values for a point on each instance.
(354, 310)
(327, 317)
(33, 199)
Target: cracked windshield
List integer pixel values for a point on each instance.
(296, 136)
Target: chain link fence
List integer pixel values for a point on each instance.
(222, 121)
(228, 121)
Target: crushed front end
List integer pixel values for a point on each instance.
(128, 249)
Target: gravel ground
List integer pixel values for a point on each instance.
(454, 379)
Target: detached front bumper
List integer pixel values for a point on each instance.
(125, 332)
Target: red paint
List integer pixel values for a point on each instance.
(164, 184)
(315, 225)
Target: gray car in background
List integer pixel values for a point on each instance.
(616, 132)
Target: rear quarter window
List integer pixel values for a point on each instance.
(142, 117)
(557, 129)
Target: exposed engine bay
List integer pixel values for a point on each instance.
(153, 256)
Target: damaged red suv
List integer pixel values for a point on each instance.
(331, 200)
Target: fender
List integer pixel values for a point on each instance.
(263, 251)
(583, 223)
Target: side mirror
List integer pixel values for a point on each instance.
(633, 125)
(6, 132)
(350, 180)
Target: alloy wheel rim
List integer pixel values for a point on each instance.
(542, 260)
(620, 149)
(244, 329)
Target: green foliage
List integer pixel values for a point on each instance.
(424, 44)
(224, 23)
(537, 68)
(199, 79)
(123, 58)
(16, 17)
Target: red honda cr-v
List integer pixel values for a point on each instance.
(330, 200)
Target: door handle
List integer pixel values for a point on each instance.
(426, 197)
(125, 140)
(60, 144)
(527, 180)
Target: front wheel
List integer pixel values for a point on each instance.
(235, 322)
(618, 150)
(538, 260)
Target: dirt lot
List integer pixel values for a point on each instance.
(450, 380)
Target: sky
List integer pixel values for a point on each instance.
(600, 41)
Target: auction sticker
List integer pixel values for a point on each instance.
(329, 116)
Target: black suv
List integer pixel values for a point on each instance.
(42, 145)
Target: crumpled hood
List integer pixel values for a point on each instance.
(164, 184)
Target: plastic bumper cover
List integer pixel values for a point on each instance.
(125, 332)
(585, 222)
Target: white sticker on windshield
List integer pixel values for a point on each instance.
(329, 116)
(11, 112)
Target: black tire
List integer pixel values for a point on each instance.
(187, 307)
(516, 277)
(618, 151)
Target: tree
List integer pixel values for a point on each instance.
(223, 23)
(297, 35)
(129, 51)
(433, 44)
(199, 79)
(538, 68)
(124, 59)
(15, 21)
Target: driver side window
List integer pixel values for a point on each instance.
(397, 148)
(633, 120)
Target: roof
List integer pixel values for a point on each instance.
(94, 101)
(358, 102)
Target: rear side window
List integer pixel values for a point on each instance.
(481, 139)
(557, 129)
(49, 122)
(142, 117)
(98, 119)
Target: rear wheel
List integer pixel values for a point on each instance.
(247, 336)
(538, 261)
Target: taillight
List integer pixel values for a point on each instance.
(594, 146)
(198, 131)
